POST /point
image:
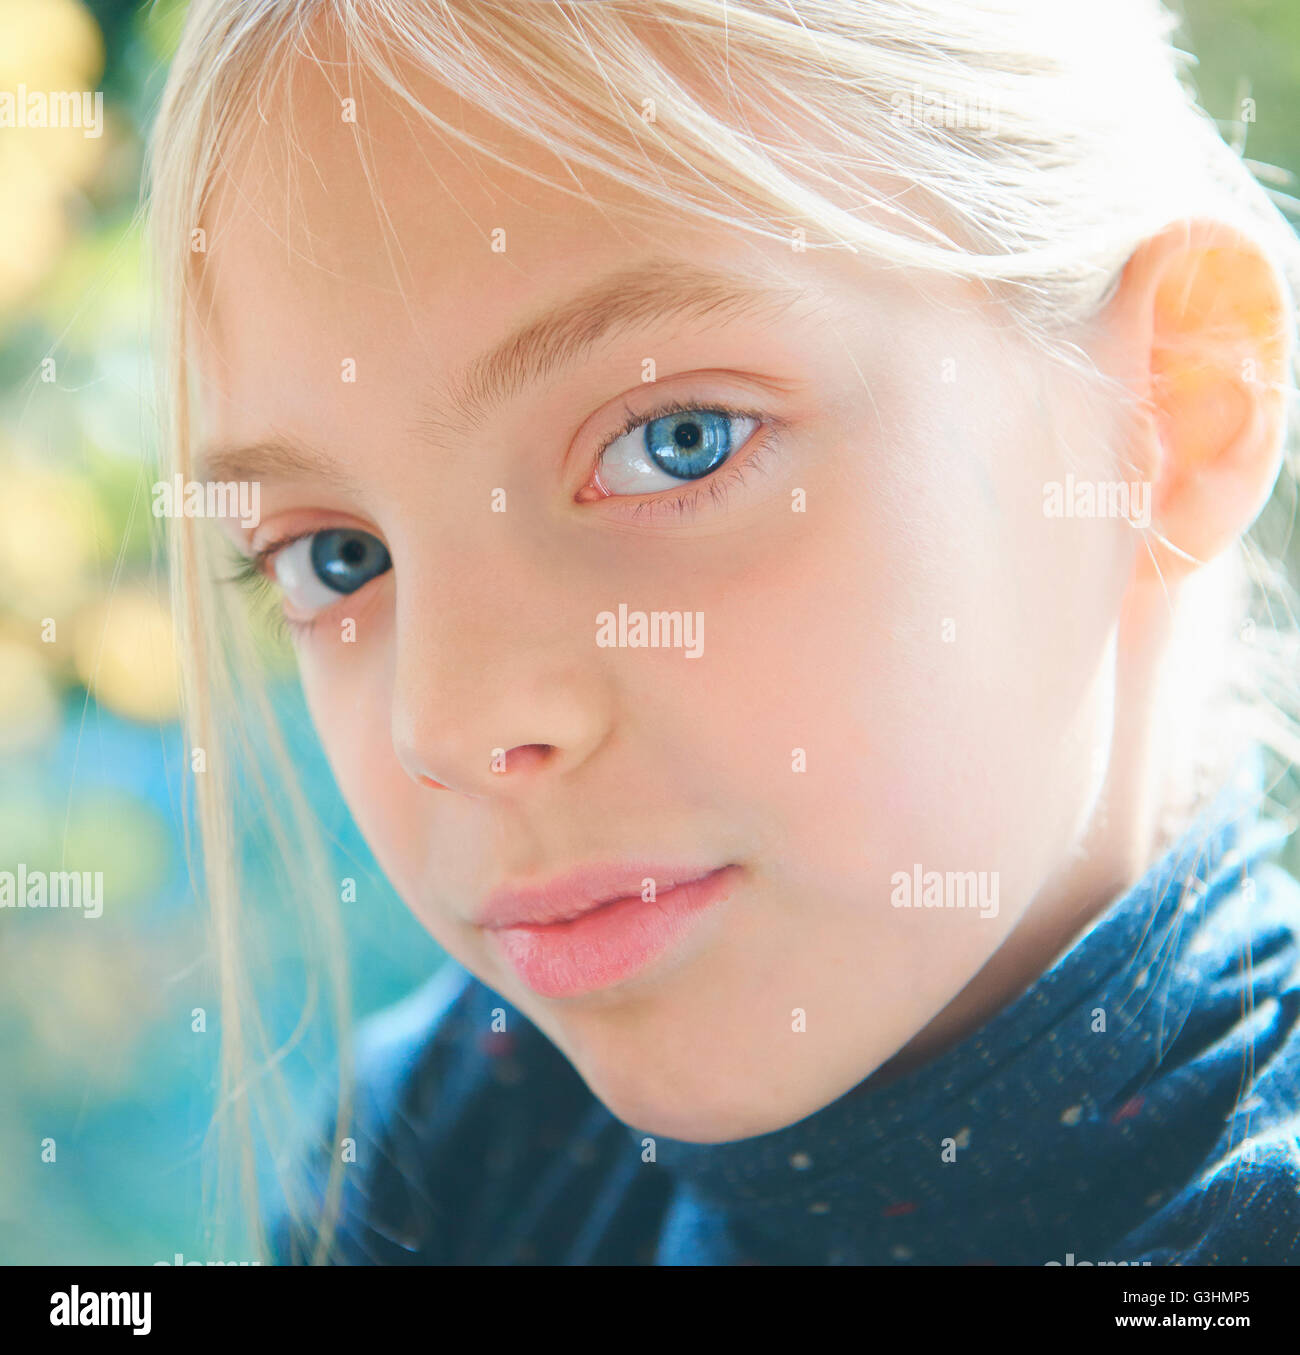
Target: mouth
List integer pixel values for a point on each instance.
(581, 891)
(597, 927)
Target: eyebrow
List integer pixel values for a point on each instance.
(654, 291)
(269, 459)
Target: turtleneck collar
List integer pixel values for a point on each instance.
(1055, 1128)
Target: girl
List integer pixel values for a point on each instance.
(759, 493)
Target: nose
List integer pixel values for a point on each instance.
(495, 691)
(522, 761)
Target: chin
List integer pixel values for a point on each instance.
(688, 1124)
(702, 1108)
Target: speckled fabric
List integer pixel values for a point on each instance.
(1136, 1105)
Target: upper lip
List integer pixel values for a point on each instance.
(582, 891)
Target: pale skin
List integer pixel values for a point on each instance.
(975, 686)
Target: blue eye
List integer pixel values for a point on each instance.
(689, 445)
(316, 570)
(344, 560)
(684, 445)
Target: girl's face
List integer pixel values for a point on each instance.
(890, 661)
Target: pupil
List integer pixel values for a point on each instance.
(686, 434)
(354, 552)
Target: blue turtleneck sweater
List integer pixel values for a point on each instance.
(1136, 1105)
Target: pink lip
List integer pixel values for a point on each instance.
(594, 928)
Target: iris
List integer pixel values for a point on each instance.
(689, 445)
(345, 559)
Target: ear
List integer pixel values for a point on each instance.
(1202, 324)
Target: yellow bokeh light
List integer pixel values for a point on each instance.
(29, 707)
(50, 527)
(49, 44)
(124, 653)
(49, 49)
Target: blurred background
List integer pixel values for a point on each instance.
(97, 1050)
(97, 1047)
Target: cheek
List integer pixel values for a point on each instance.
(915, 673)
(347, 696)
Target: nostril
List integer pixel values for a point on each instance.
(523, 758)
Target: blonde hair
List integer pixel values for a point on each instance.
(1029, 145)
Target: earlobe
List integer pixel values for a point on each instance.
(1205, 323)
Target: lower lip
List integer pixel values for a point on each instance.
(612, 942)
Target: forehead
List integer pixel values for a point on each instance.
(344, 229)
(374, 228)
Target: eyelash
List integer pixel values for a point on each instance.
(254, 571)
